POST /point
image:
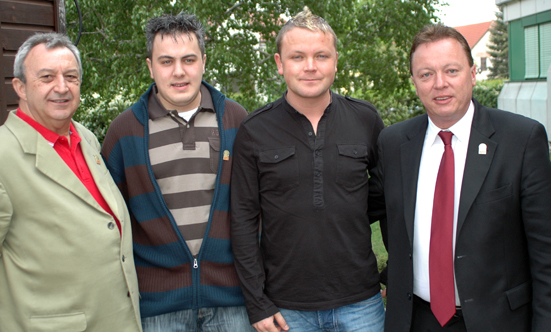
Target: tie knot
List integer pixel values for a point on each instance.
(446, 137)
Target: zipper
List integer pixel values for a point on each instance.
(195, 264)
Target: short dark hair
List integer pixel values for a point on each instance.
(436, 32)
(51, 40)
(305, 19)
(174, 25)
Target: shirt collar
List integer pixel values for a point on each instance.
(292, 110)
(461, 129)
(49, 135)
(157, 110)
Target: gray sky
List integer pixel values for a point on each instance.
(465, 12)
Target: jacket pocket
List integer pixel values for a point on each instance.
(494, 195)
(72, 322)
(214, 143)
(520, 295)
(351, 165)
(278, 169)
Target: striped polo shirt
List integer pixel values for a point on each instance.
(184, 157)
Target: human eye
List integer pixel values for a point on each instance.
(47, 78)
(189, 60)
(71, 78)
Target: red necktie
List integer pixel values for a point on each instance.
(442, 290)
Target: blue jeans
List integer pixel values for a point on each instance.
(220, 319)
(364, 316)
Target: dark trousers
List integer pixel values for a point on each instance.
(424, 321)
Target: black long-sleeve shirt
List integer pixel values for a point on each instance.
(311, 192)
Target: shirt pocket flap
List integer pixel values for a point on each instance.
(352, 150)
(520, 295)
(274, 156)
(214, 143)
(53, 323)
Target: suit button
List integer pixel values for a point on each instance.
(128, 294)
(409, 296)
(110, 225)
(410, 256)
(123, 258)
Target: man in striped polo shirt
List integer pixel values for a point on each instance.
(170, 154)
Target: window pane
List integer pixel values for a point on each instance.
(531, 51)
(545, 48)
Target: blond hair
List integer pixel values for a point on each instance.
(305, 19)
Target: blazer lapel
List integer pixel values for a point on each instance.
(411, 151)
(99, 173)
(48, 161)
(477, 163)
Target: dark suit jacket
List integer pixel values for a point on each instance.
(503, 245)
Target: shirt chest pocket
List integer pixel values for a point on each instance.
(278, 169)
(214, 151)
(351, 165)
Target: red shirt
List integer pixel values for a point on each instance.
(73, 157)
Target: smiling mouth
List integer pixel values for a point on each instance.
(442, 98)
(60, 101)
(179, 85)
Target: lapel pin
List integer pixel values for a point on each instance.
(98, 161)
(226, 155)
(482, 148)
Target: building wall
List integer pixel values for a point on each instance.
(529, 97)
(19, 19)
(479, 51)
(515, 9)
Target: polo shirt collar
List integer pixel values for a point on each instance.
(48, 135)
(157, 110)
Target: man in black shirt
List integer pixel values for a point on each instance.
(301, 164)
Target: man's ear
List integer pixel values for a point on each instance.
(20, 88)
(149, 66)
(277, 58)
(415, 85)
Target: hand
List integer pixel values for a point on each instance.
(383, 293)
(268, 325)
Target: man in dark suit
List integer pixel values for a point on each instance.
(467, 191)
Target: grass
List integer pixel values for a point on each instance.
(378, 245)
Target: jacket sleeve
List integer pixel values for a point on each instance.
(245, 222)
(6, 212)
(536, 214)
(111, 152)
(376, 201)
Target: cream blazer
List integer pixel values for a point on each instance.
(63, 264)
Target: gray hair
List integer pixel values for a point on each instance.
(174, 25)
(51, 40)
(305, 19)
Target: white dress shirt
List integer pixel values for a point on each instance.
(433, 148)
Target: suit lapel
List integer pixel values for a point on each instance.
(48, 161)
(477, 164)
(99, 173)
(411, 151)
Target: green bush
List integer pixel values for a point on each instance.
(487, 91)
(96, 113)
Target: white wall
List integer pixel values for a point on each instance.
(516, 9)
(481, 50)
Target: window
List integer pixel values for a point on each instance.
(483, 65)
(537, 51)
